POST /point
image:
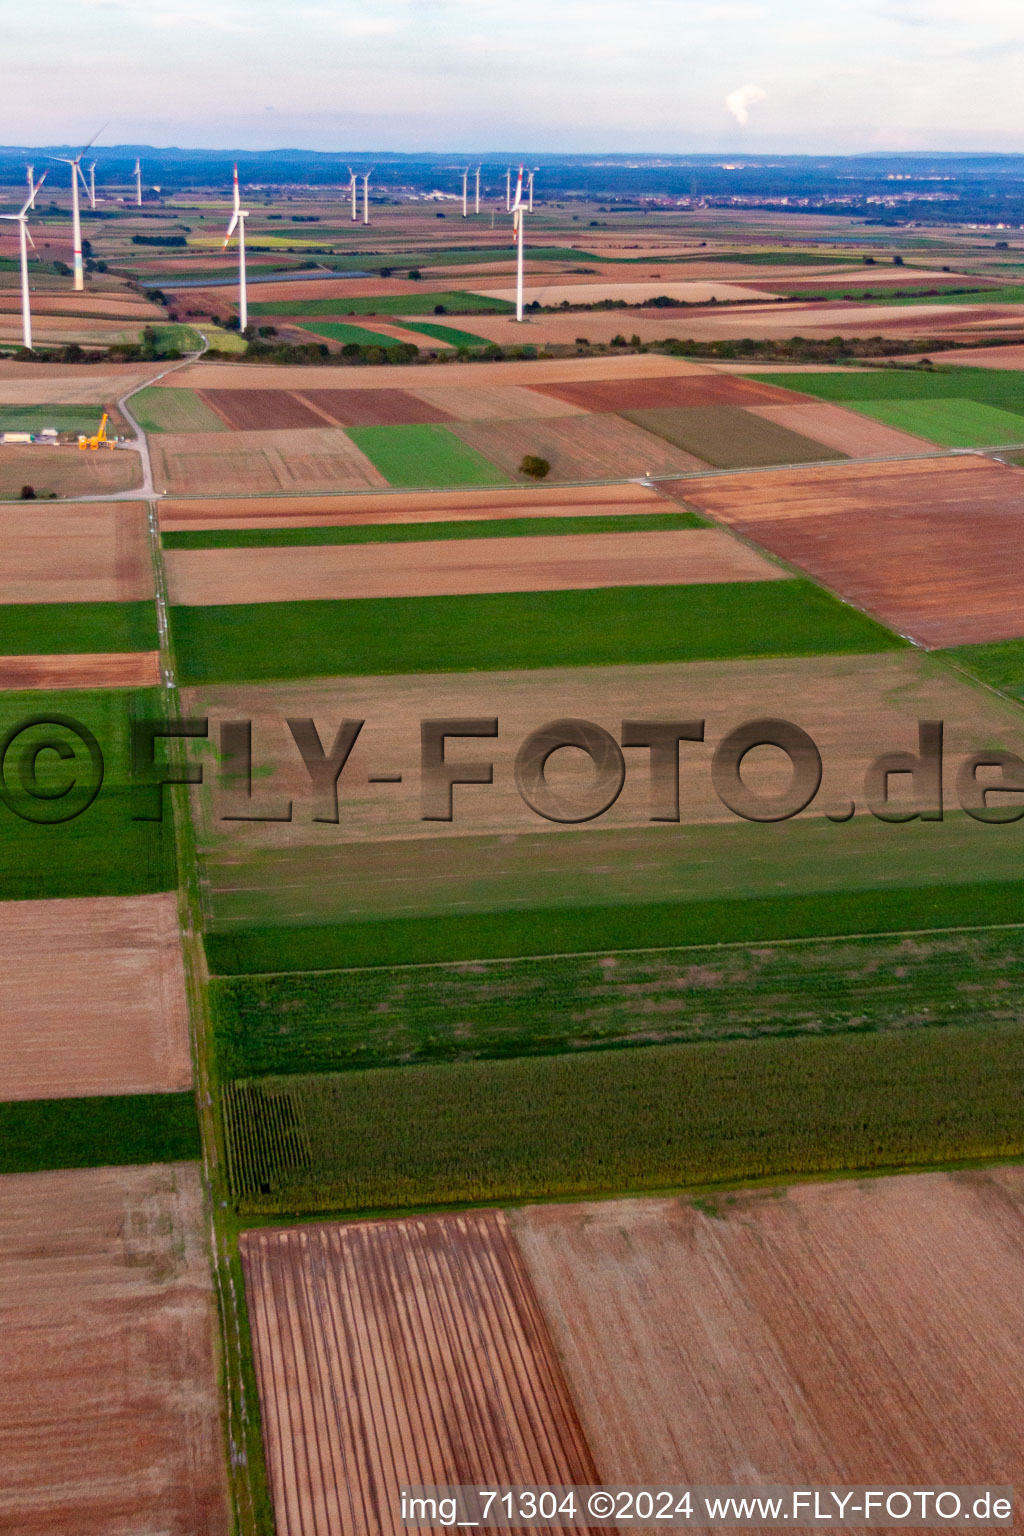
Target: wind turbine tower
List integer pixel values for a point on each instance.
(238, 219)
(31, 184)
(508, 190)
(76, 216)
(353, 186)
(138, 183)
(530, 185)
(478, 170)
(366, 195)
(25, 239)
(518, 223)
(92, 186)
(465, 193)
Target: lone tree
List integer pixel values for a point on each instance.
(536, 468)
(28, 493)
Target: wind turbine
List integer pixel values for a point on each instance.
(465, 194)
(238, 219)
(529, 185)
(92, 186)
(76, 220)
(353, 183)
(31, 184)
(366, 195)
(137, 173)
(518, 223)
(508, 190)
(25, 239)
(478, 170)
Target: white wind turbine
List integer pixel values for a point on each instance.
(353, 182)
(238, 219)
(137, 173)
(518, 224)
(465, 192)
(25, 239)
(366, 195)
(31, 184)
(92, 186)
(508, 190)
(478, 170)
(529, 185)
(76, 220)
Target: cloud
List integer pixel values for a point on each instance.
(742, 99)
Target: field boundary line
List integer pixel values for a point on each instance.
(628, 949)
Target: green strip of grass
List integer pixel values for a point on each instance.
(425, 455)
(58, 629)
(336, 330)
(412, 303)
(238, 642)
(102, 851)
(990, 386)
(429, 533)
(567, 930)
(445, 333)
(563, 1126)
(98, 1132)
(950, 422)
(336, 1020)
(1000, 664)
(175, 410)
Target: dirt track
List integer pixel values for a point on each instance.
(94, 998)
(397, 1353)
(111, 1416)
(119, 669)
(838, 1333)
(97, 552)
(926, 545)
(567, 562)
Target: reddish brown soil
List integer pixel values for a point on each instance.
(926, 545)
(847, 431)
(67, 471)
(578, 447)
(197, 577)
(649, 394)
(396, 1353)
(95, 552)
(838, 1333)
(373, 407)
(94, 998)
(248, 410)
(301, 459)
(110, 1422)
(120, 669)
(453, 375)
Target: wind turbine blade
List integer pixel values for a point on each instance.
(81, 177)
(231, 230)
(91, 142)
(237, 197)
(35, 189)
(28, 235)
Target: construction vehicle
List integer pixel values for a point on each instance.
(100, 438)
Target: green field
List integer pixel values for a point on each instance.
(174, 410)
(729, 437)
(98, 1132)
(58, 629)
(568, 930)
(988, 386)
(1000, 664)
(423, 456)
(611, 1121)
(950, 422)
(412, 303)
(445, 333)
(428, 533)
(337, 330)
(66, 418)
(242, 642)
(336, 1020)
(102, 851)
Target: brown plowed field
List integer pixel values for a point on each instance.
(118, 669)
(411, 507)
(657, 394)
(925, 545)
(396, 1353)
(217, 463)
(95, 552)
(567, 562)
(849, 433)
(387, 376)
(577, 447)
(94, 998)
(111, 1416)
(510, 402)
(247, 410)
(66, 471)
(373, 407)
(838, 1333)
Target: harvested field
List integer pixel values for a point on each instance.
(641, 394)
(94, 1000)
(562, 327)
(112, 1420)
(66, 471)
(68, 384)
(729, 436)
(578, 447)
(317, 459)
(95, 552)
(124, 669)
(411, 507)
(456, 375)
(589, 292)
(922, 544)
(510, 402)
(718, 1347)
(568, 562)
(426, 1336)
(845, 431)
(248, 410)
(373, 407)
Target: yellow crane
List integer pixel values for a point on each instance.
(100, 437)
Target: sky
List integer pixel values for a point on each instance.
(577, 76)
